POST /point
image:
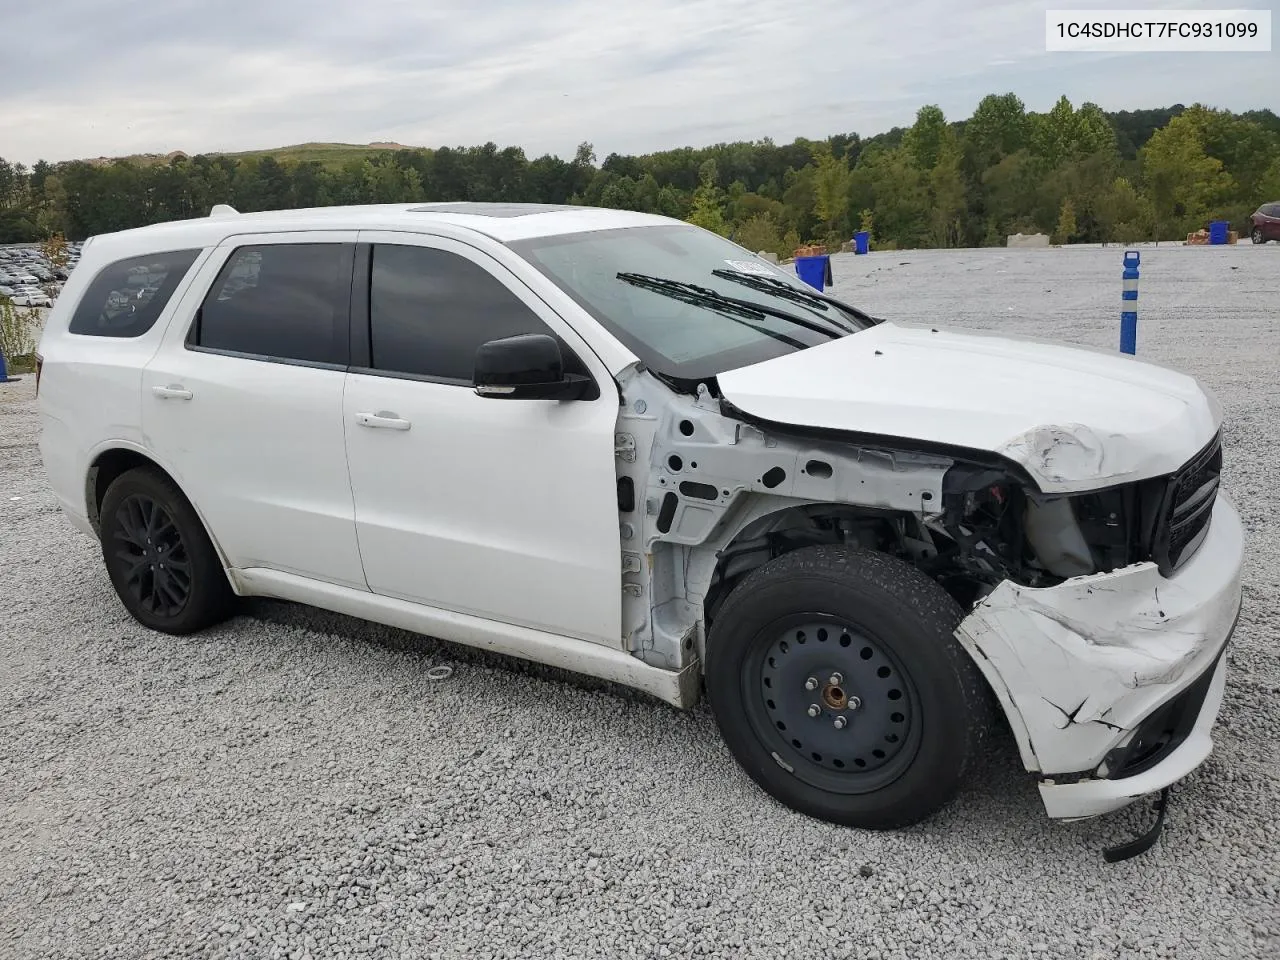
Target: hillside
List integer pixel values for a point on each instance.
(329, 154)
(1078, 174)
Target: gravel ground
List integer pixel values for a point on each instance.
(292, 784)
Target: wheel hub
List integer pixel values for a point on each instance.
(838, 700)
(151, 555)
(835, 696)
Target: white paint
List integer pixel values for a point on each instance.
(1089, 798)
(1020, 398)
(1079, 665)
(678, 688)
(494, 522)
(259, 445)
(505, 509)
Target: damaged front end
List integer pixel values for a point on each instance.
(1098, 617)
(1104, 640)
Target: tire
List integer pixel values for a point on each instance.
(147, 526)
(1256, 236)
(888, 630)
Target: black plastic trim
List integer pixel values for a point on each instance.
(361, 270)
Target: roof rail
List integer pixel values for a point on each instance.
(224, 210)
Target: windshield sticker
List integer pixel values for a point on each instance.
(746, 266)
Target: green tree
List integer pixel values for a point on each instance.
(1065, 231)
(867, 223)
(831, 184)
(761, 232)
(946, 194)
(1065, 133)
(898, 192)
(998, 127)
(924, 140)
(708, 202)
(1184, 183)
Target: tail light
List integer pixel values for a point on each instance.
(39, 368)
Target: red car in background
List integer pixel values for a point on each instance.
(1265, 223)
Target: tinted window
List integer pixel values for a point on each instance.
(430, 310)
(127, 298)
(1272, 209)
(285, 301)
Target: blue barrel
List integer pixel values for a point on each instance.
(815, 271)
(862, 241)
(1218, 231)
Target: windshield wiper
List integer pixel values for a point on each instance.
(786, 291)
(727, 308)
(706, 297)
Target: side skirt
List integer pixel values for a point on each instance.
(680, 689)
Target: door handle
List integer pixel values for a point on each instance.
(382, 420)
(172, 392)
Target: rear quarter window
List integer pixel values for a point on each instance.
(127, 297)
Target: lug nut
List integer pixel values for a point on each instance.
(811, 684)
(836, 679)
(841, 723)
(814, 710)
(854, 703)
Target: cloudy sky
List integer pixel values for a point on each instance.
(111, 77)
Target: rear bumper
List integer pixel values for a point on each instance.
(65, 474)
(1112, 682)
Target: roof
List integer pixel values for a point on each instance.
(503, 222)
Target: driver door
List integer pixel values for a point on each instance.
(499, 508)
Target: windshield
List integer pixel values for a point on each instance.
(673, 336)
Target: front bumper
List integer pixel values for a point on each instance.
(1084, 670)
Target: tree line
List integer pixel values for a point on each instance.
(1077, 173)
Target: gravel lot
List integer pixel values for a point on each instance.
(292, 784)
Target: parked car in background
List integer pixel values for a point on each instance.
(6, 291)
(1265, 223)
(31, 298)
(624, 445)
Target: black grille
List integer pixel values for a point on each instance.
(1188, 507)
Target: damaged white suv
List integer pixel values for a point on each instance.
(620, 444)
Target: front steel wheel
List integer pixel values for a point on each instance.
(838, 685)
(834, 702)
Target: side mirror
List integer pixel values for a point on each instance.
(526, 367)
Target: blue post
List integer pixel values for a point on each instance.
(1129, 304)
(4, 371)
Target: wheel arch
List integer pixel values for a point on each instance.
(769, 526)
(112, 459)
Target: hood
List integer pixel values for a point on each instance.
(1075, 418)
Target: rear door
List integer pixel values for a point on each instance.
(243, 402)
(503, 509)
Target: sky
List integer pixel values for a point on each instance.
(115, 77)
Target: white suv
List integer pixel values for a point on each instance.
(623, 445)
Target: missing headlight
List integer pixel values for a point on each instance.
(1055, 537)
